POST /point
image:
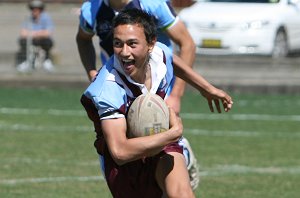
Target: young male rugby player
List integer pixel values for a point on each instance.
(96, 19)
(150, 166)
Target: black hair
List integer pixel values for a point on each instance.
(139, 17)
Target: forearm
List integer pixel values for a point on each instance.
(87, 55)
(124, 150)
(36, 33)
(190, 76)
(188, 56)
(211, 93)
(137, 148)
(41, 34)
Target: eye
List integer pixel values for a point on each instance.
(117, 43)
(132, 43)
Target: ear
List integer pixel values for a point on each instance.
(151, 45)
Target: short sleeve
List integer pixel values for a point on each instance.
(87, 17)
(162, 10)
(111, 102)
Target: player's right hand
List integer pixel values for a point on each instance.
(176, 127)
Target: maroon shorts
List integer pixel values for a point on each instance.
(135, 179)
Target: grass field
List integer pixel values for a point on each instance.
(46, 146)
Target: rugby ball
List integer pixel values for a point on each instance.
(147, 115)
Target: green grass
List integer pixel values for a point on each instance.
(46, 146)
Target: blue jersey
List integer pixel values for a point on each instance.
(113, 91)
(96, 18)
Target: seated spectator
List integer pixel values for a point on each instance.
(36, 32)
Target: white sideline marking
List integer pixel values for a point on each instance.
(221, 170)
(50, 179)
(200, 132)
(41, 128)
(259, 117)
(234, 169)
(56, 112)
(27, 160)
(191, 116)
(242, 133)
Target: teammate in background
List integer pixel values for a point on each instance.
(96, 18)
(151, 166)
(36, 31)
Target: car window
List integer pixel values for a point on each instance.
(243, 1)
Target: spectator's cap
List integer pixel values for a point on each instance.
(36, 4)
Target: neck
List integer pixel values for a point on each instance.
(147, 78)
(143, 74)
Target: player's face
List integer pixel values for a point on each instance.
(132, 50)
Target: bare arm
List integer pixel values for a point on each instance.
(124, 150)
(35, 33)
(87, 52)
(180, 35)
(211, 93)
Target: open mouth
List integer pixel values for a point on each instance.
(128, 65)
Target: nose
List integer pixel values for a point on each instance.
(125, 50)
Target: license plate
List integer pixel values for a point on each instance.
(211, 43)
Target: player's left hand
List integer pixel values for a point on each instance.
(218, 96)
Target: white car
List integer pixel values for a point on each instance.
(263, 27)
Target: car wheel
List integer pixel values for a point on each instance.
(280, 48)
